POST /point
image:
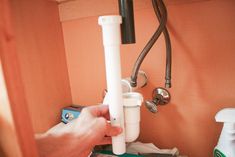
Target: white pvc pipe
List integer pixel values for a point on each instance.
(132, 103)
(112, 40)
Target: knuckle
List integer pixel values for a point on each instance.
(85, 110)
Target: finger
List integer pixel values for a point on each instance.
(105, 112)
(105, 140)
(99, 111)
(107, 115)
(113, 130)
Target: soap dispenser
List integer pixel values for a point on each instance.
(226, 143)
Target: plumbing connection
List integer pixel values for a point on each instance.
(111, 41)
(161, 13)
(124, 108)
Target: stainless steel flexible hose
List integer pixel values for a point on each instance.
(161, 12)
(168, 46)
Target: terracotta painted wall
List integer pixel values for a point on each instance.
(203, 37)
(42, 60)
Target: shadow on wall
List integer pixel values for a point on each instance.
(1, 152)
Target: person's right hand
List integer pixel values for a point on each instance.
(93, 123)
(78, 137)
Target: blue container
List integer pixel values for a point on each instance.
(70, 113)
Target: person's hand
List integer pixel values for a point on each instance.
(93, 123)
(78, 137)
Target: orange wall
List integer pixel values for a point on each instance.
(42, 60)
(203, 77)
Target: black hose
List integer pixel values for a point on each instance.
(168, 46)
(149, 45)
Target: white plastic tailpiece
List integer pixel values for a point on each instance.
(226, 143)
(112, 40)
